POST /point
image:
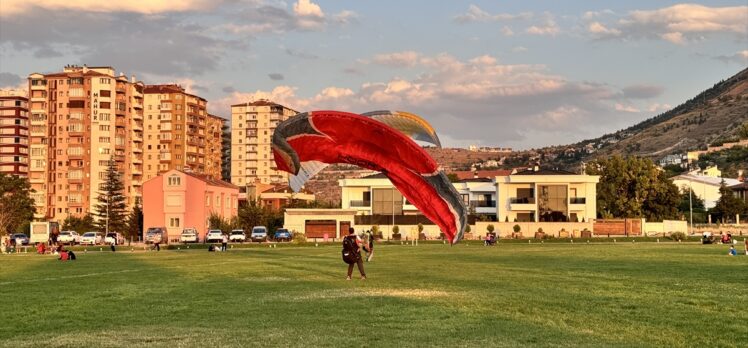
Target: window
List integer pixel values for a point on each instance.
(174, 180)
(174, 222)
(105, 93)
(552, 203)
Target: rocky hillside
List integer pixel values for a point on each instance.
(713, 116)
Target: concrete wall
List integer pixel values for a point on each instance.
(665, 227)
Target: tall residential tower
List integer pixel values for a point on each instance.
(80, 118)
(252, 126)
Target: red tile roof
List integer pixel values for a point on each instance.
(210, 180)
(170, 88)
(261, 102)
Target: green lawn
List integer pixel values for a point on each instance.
(623, 294)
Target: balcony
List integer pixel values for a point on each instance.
(120, 122)
(136, 149)
(360, 203)
(522, 203)
(483, 204)
(578, 200)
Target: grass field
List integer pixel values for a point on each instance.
(624, 294)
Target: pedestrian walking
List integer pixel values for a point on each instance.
(224, 242)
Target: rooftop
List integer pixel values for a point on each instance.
(210, 180)
(542, 171)
(709, 180)
(471, 174)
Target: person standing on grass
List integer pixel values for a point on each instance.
(352, 253)
(157, 242)
(114, 241)
(224, 242)
(370, 244)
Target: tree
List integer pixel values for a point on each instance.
(16, 205)
(688, 200)
(633, 187)
(81, 225)
(135, 222)
(111, 211)
(728, 204)
(453, 177)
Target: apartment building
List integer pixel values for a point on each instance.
(14, 133)
(179, 133)
(178, 200)
(252, 127)
(80, 118)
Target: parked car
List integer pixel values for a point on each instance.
(237, 236)
(189, 235)
(69, 237)
(20, 238)
(115, 237)
(259, 234)
(154, 234)
(92, 238)
(282, 234)
(214, 236)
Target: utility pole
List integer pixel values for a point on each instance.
(690, 205)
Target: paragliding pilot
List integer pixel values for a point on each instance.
(352, 253)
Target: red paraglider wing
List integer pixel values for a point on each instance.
(339, 137)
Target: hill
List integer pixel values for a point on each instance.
(713, 116)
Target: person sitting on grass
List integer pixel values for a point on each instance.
(41, 248)
(732, 251)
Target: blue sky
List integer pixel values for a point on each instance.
(499, 73)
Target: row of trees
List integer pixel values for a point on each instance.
(635, 187)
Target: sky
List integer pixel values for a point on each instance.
(520, 74)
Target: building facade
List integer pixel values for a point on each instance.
(178, 200)
(539, 195)
(179, 133)
(14, 133)
(80, 118)
(252, 127)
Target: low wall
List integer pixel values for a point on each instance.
(528, 229)
(667, 226)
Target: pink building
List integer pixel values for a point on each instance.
(178, 200)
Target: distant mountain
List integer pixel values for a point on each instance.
(713, 116)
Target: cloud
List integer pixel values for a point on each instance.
(547, 28)
(10, 80)
(9, 8)
(626, 108)
(532, 105)
(507, 31)
(47, 52)
(265, 18)
(598, 29)
(476, 14)
(275, 76)
(642, 91)
(228, 89)
(130, 42)
(398, 59)
(678, 24)
(518, 49)
(740, 57)
(657, 107)
(595, 14)
(300, 54)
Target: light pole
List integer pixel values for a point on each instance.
(690, 205)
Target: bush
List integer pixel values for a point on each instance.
(540, 229)
(297, 237)
(420, 228)
(677, 236)
(395, 229)
(516, 228)
(467, 229)
(490, 228)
